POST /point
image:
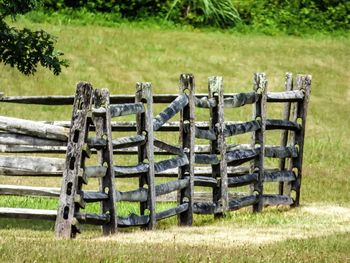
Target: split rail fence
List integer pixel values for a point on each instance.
(217, 165)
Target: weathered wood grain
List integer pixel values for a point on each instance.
(240, 99)
(105, 159)
(281, 152)
(239, 203)
(20, 190)
(26, 213)
(206, 159)
(172, 211)
(279, 176)
(187, 142)
(205, 181)
(25, 165)
(167, 148)
(138, 195)
(282, 125)
(206, 208)
(131, 170)
(64, 226)
(242, 180)
(258, 138)
(33, 128)
(171, 186)
(277, 200)
(146, 151)
(205, 102)
(126, 109)
(170, 163)
(119, 143)
(20, 139)
(289, 85)
(32, 149)
(239, 156)
(241, 128)
(170, 111)
(286, 96)
(133, 220)
(205, 134)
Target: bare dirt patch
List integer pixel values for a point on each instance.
(310, 221)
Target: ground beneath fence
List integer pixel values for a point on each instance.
(301, 223)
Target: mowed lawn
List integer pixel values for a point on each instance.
(117, 58)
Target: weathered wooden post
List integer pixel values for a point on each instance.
(66, 224)
(218, 146)
(299, 116)
(258, 138)
(285, 133)
(105, 158)
(187, 143)
(144, 122)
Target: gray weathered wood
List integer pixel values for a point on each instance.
(170, 163)
(171, 186)
(41, 214)
(172, 211)
(33, 128)
(126, 109)
(288, 84)
(277, 200)
(25, 213)
(119, 143)
(258, 139)
(170, 111)
(242, 180)
(220, 191)
(205, 181)
(205, 134)
(70, 182)
(281, 152)
(240, 99)
(279, 176)
(138, 195)
(32, 149)
(300, 112)
(187, 142)
(20, 190)
(168, 148)
(105, 159)
(92, 197)
(25, 165)
(136, 170)
(133, 220)
(238, 203)
(206, 159)
(240, 128)
(240, 156)
(206, 208)
(205, 102)
(282, 124)
(286, 96)
(146, 151)
(20, 139)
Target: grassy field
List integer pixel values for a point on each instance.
(116, 58)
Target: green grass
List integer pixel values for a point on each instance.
(118, 56)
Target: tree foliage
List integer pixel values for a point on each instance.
(24, 48)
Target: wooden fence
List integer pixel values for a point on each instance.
(217, 165)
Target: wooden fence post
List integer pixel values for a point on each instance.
(187, 143)
(66, 224)
(285, 133)
(105, 158)
(258, 138)
(144, 122)
(299, 116)
(218, 146)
